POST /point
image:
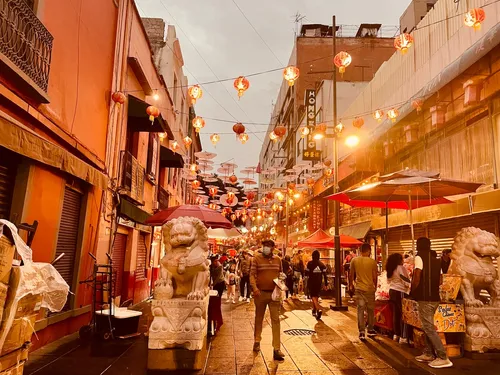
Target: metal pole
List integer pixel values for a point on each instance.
(336, 204)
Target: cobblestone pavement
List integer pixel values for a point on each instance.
(334, 348)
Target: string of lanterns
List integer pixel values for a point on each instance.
(403, 42)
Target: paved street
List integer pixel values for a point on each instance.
(334, 348)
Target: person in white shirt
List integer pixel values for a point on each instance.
(399, 288)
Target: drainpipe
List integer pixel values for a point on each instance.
(493, 143)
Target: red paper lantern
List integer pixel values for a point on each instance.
(417, 104)
(264, 201)
(213, 191)
(198, 123)
(273, 137)
(118, 97)
(195, 92)
(328, 172)
(474, 17)
(342, 60)
(243, 138)
(291, 73)
(153, 113)
(310, 182)
(238, 128)
(212, 206)
(195, 184)
(241, 84)
(358, 122)
(280, 131)
(378, 115)
(247, 203)
(233, 217)
(327, 162)
(174, 146)
(393, 114)
(214, 138)
(187, 141)
(292, 186)
(402, 42)
(251, 195)
(230, 197)
(233, 179)
(270, 195)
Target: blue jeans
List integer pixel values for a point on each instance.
(366, 301)
(433, 343)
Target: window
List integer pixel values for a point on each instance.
(140, 264)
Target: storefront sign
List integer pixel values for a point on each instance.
(449, 317)
(311, 153)
(316, 215)
(126, 222)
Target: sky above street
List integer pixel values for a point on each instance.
(218, 42)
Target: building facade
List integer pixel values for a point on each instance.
(81, 164)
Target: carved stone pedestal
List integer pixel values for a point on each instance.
(178, 334)
(483, 329)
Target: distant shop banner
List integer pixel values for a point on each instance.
(311, 153)
(316, 215)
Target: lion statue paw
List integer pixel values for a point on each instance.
(196, 295)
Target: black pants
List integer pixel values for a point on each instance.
(289, 285)
(219, 287)
(396, 297)
(245, 282)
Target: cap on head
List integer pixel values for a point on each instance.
(268, 243)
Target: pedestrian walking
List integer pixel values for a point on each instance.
(316, 272)
(363, 281)
(399, 288)
(298, 271)
(425, 290)
(265, 268)
(244, 273)
(230, 280)
(217, 276)
(288, 271)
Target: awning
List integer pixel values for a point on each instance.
(170, 159)
(132, 212)
(357, 231)
(138, 119)
(24, 141)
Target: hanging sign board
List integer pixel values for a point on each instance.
(311, 153)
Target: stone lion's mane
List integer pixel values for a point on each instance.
(201, 233)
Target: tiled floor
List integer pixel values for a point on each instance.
(334, 348)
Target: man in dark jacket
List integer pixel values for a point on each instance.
(425, 290)
(244, 273)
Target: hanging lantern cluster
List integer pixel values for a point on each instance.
(118, 97)
(474, 18)
(403, 42)
(291, 74)
(251, 195)
(358, 122)
(342, 60)
(198, 123)
(195, 92)
(243, 138)
(230, 197)
(393, 114)
(215, 138)
(187, 141)
(153, 113)
(241, 85)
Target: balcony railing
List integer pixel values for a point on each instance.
(132, 177)
(25, 41)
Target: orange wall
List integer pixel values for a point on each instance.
(82, 66)
(44, 203)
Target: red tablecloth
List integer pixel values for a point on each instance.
(384, 315)
(214, 313)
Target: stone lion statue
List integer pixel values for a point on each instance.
(472, 254)
(184, 269)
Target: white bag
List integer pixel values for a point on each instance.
(278, 294)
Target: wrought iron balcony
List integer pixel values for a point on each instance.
(132, 178)
(25, 41)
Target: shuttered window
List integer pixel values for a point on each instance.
(67, 238)
(140, 265)
(118, 257)
(8, 168)
(400, 238)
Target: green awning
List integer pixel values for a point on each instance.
(357, 231)
(132, 212)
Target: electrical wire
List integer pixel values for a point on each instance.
(256, 32)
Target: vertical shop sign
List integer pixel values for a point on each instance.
(311, 153)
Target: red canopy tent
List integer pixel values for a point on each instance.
(321, 240)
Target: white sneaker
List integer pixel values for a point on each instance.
(403, 340)
(248, 300)
(228, 300)
(441, 363)
(234, 301)
(425, 358)
(241, 299)
(395, 338)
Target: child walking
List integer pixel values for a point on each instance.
(231, 285)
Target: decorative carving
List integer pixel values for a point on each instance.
(180, 304)
(473, 252)
(25, 41)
